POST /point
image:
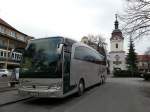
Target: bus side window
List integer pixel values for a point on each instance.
(81, 54)
(84, 54)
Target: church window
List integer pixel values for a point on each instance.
(117, 62)
(116, 45)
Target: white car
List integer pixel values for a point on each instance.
(4, 73)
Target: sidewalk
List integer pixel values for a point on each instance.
(5, 89)
(10, 97)
(8, 94)
(3, 81)
(4, 85)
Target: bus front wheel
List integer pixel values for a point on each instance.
(81, 88)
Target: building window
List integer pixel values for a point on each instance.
(116, 45)
(117, 62)
(4, 43)
(2, 29)
(1, 43)
(22, 38)
(12, 33)
(11, 45)
(4, 54)
(1, 53)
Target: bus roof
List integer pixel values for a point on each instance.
(48, 37)
(82, 44)
(85, 45)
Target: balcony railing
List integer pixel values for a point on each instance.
(5, 56)
(9, 60)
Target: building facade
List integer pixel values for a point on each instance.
(117, 54)
(11, 38)
(143, 63)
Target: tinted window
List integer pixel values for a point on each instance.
(42, 59)
(87, 54)
(80, 53)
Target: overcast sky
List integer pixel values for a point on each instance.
(70, 18)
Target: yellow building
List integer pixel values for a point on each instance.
(11, 38)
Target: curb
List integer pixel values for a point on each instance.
(7, 89)
(15, 101)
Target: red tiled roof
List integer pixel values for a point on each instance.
(143, 57)
(116, 33)
(6, 24)
(2, 22)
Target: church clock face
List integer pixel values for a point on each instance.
(116, 38)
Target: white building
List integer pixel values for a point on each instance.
(117, 53)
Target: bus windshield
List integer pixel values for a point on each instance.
(41, 59)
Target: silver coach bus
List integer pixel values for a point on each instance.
(58, 67)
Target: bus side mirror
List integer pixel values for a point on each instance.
(60, 45)
(65, 44)
(59, 48)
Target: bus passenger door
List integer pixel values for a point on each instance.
(66, 69)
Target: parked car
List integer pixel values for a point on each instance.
(4, 73)
(146, 75)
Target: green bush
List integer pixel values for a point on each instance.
(125, 73)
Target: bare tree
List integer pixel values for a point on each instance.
(136, 18)
(97, 39)
(98, 43)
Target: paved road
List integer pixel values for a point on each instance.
(4, 82)
(117, 95)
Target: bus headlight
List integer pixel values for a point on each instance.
(56, 86)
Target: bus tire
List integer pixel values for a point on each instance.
(4, 75)
(146, 78)
(103, 79)
(81, 88)
(100, 81)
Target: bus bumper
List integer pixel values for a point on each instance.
(52, 93)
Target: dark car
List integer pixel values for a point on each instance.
(146, 75)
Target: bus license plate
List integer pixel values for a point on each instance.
(34, 94)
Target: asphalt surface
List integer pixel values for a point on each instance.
(117, 95)
(4, 84)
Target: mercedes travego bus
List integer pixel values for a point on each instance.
(58, 67)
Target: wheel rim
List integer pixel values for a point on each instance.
(101, 80)
(81, 88)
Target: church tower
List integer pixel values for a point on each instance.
(117, 53)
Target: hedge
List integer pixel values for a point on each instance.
(125, 73)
